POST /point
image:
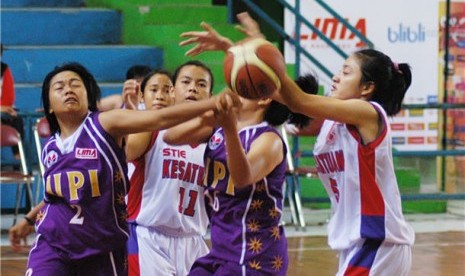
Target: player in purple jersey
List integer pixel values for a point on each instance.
(245, 169)
(353, 154)
(82, 225)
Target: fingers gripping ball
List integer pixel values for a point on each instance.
(253, 69)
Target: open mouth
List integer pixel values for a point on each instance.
(191, 99)
(71, 100)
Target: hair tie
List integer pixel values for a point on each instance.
(396, 67)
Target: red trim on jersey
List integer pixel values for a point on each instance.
(137, 182)
(372, 201)
(356, 270)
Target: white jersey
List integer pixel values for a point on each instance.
(361, 183)
(167, 190)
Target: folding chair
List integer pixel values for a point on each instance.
(292, 186)
(41, 131)
(11, 137)
(295, 172)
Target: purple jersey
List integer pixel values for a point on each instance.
(85, 187)
(245, 223)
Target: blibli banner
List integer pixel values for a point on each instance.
(407, 31)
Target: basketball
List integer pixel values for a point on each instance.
(253, 68)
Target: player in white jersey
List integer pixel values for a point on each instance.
(354, 160)
(166, 206)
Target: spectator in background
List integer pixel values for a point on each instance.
(136, 72)
(7, 99)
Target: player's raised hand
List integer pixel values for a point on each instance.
(249, 26)
(207, 40)
(131, 94)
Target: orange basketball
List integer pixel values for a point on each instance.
(253, 68)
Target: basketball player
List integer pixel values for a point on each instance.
(245, 171)
(353, 153)
(82, 226)
(167, 216)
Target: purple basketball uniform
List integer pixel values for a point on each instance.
(245, 223)
(85, 187)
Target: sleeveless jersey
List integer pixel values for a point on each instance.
(362, 186)
(170, 180)
(245, 223)
(85, 187)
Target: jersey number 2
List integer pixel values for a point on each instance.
(77, 219)
(190, 210)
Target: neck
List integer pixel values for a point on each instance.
(69, 123)
(250, 119)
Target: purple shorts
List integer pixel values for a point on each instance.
(209, 265)
(49, 261)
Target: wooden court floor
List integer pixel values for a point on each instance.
(434, 254)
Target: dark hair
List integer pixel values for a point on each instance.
(194, 63)
(278, 113)
(138, 71)
(93, 90)
(391, 80)
(150, 75)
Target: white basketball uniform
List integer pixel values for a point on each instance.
(366, 206)
(169, 213)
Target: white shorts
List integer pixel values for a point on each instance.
(371, 258)
(160, 254)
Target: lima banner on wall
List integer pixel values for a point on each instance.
(407, 31)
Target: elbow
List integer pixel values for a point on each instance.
(242, 181)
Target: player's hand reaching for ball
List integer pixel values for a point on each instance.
(249, 26)
(227, 105)
(208, 40)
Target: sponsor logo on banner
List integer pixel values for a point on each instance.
(86, 153)
(416, 126)
(432, 139)
(433, 126)
(397, 126)
(415, 140)
(416, 112)
(398, 140)
(337, 32)
(406, 34)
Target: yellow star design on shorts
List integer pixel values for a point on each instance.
(255, 265)
(253, 225)
(256, 204)
(277, 263)
(123, 215)
(255, 245)
(274, 213)
(40, 216)
(260, 187)
(275, 233)
(120, 199)
(118, 176)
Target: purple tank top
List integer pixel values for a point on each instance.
(245, 223)
(85, 187)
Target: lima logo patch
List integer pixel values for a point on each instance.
(215, 141)
(51, 158)
(86, 153)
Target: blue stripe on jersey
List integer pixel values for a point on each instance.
(373, 227)
(364, 258)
